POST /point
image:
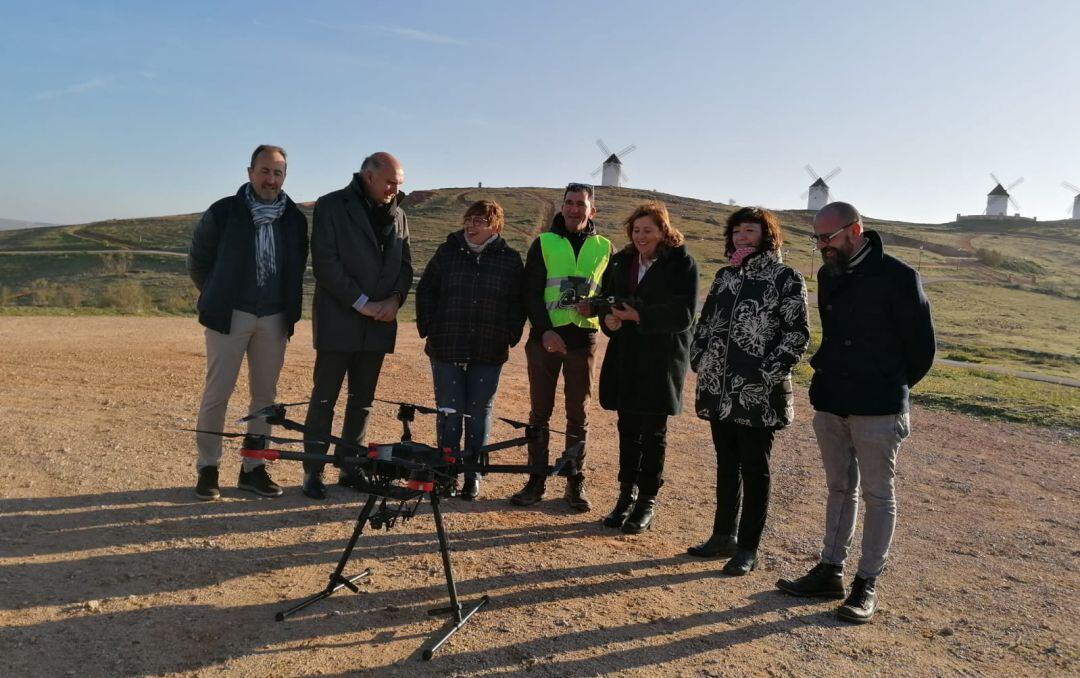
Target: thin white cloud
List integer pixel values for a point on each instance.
(77, 88)
(419, 35)
(400, 31)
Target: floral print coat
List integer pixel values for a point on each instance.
(752, 332)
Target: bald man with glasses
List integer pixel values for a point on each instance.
(877, 342)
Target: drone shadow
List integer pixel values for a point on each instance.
(173, 532)
(212, 634)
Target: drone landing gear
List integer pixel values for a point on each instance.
(338, 581)
(454, 608)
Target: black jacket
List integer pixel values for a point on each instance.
(469, 305)
(350, 257)
(645, 364)
(222, 258)
(877, 336)
(752, 331)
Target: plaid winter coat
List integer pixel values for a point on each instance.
(752, 331)
(468, 305)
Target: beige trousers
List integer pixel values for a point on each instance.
(263, 340)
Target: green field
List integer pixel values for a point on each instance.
(1004, 293)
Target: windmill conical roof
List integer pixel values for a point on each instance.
(999, 190)
(613, 160)
(820, 183)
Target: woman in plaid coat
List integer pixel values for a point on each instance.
(468, 306)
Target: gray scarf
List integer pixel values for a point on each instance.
(264, 215)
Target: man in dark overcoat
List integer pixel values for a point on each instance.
(363, 270)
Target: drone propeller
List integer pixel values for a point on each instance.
(226, 434)
(422, 409)
(270, 410)
(523, 424)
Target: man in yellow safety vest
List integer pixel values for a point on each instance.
(564, 263)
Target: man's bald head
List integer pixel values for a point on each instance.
(838, 232)
(379, 160)
(383, 175)
(839, 212)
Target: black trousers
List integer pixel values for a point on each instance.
(642, 445)
(363, 369)
(742, 477)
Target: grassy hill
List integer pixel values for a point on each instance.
(1004, 292)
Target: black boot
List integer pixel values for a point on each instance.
(313, 486)
(743, 563)
(623, 505)
(860, 606)
(824, 581)
(642, 516)
(575, 493)
(531, 493)
(716, 545)
(470, 489)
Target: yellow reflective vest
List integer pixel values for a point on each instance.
(577, 277)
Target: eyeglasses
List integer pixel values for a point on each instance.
(479, 221)
(822, 239)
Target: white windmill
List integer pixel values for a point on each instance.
(1076, 199)
(817, 196)
(612, 167)
(998, 200)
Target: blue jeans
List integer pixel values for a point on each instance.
(468, 388)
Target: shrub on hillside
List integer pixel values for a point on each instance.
(996, 259)
(116, 263)
(129, 297)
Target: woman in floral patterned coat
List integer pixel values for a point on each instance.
(751, 333)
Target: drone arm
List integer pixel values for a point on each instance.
(547, 470)
(504, 445)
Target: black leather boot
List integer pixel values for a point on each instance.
(623, 505)
(715, 546)
(313, 486)
(575, 493)
(823, 581)
(531, 493)
(742, 563)
(641, 517)
(861, 604)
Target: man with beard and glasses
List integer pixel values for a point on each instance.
(362, 264)
(247, 258)
(877, 342)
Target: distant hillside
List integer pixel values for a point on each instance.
(1003, 294)
(11, 224)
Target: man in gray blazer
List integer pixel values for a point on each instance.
(363, 270)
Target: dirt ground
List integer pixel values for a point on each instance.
(110, 566)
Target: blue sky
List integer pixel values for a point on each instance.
(123, 109)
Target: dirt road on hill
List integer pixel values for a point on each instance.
(109, 566)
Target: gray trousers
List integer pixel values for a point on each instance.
(860, 453)
(263, 340)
